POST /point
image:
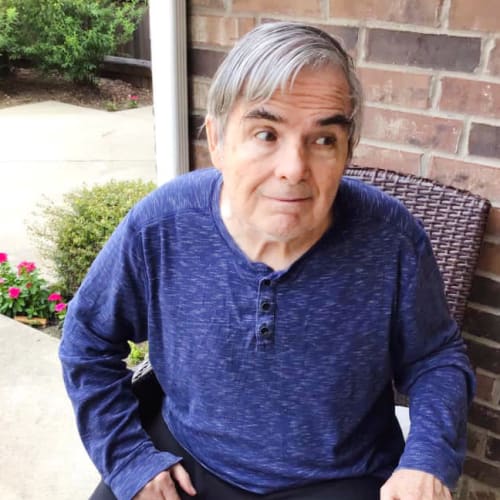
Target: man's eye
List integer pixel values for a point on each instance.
(266, 136)
(325, 141)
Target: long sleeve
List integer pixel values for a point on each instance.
(109, 309)
(431, 366)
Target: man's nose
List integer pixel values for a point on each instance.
(292, 164)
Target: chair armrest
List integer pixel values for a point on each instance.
(148, 391)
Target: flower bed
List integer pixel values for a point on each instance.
(27, 296)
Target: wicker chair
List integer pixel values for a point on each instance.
(453, 218)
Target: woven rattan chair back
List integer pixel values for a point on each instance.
(454, 220)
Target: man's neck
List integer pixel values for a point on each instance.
(277, 254)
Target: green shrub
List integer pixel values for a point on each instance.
(8, 26)
(71, 235)
(69, 36)
(138, 353)
(8, 18)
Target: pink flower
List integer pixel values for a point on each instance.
(133, 97)
(60, 307)
(25, 266)
(14, 292)
(2, 281)
(54, 297)
(3, 257)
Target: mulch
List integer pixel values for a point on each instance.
(26, 85)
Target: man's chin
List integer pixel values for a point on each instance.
(285, 233)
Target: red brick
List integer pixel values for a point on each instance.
(398, 11)
(218, 30)
(484, 140)
(485, 417)
(470, 97)
(482, 324)
(493, 449)
(489, 260)
(196, 127)
(204, 62)
(408, 128)
(395, 88)
(296, 8)
(389, 159)
(485, 357)
(479, 179)
(461, 488)
(216, 4)
(438, 51)
(493, 226)
(198, 91)
(482, 471)
(478, 491)
(467, 15)
(199, 156)
(487, 494)
(476, 440)
(346, 35)
(494, 63)
(485, 386)
(487, 292)
(245, 24)
(496, 393)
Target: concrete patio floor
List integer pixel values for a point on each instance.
(42, 456)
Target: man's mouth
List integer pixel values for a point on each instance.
(288, 199)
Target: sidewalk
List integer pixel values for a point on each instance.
(48, 149)
(42, 457)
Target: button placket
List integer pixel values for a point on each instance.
(265, 313)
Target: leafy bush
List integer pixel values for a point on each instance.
(138, 353)
(72, 235)
(8, 18)
(8, 25)
(69, 36)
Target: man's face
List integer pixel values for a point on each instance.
(282, 159)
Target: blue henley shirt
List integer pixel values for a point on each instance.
(274, 379)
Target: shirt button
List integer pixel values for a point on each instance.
(266, 282)
(265, 331)
(265, 306)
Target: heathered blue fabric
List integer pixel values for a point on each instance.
(274, 379)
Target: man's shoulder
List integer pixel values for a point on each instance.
(367, 204)
(188, 193)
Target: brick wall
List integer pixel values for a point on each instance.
(431, 76)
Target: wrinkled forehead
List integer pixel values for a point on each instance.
(324, 88)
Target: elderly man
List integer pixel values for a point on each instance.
(280, 300)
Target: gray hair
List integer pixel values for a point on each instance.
(270, 57)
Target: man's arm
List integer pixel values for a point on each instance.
(109, 309)
(431, 366)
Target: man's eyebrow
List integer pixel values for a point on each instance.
(262, 114)
(337, 119)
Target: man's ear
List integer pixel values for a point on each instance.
(214, 141)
